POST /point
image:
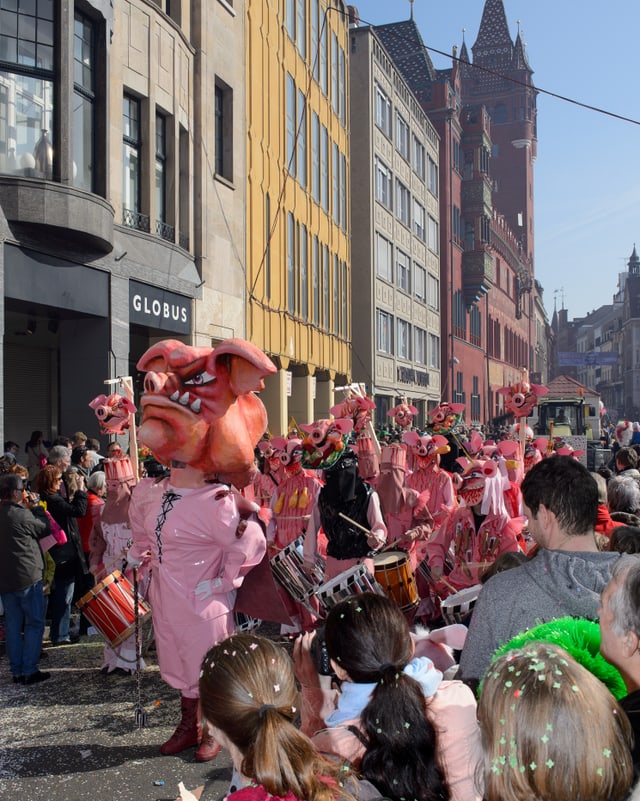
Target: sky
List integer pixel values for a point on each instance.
(587, 173)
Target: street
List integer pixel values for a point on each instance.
(75, 738)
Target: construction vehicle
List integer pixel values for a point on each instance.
(570, 413)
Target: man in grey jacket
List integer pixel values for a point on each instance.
(566, 575)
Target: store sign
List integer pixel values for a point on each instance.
(407, 375)
(159, 308)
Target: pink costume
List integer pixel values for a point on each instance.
(196, 566)
(108, 550)
(428, 476)
(201, 415)
(295, 496)
(405, 512)
(473, 548)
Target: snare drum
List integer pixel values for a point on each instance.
(394, 574)
(457, 607)
(245, 623)
(353, 581)
(110, 608)
(287, 568)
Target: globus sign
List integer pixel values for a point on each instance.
(159, 308)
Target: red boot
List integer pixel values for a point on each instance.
(186, 735)
(208, 748)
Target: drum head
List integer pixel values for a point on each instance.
(390, 558)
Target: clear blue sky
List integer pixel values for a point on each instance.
(587, 174)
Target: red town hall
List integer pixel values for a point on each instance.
(484, 110)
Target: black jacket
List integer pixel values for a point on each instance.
(21, 560)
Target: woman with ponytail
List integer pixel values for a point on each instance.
(250, 701)
(406, 730)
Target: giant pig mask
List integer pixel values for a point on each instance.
(199, 407)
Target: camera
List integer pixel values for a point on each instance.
(320, 655)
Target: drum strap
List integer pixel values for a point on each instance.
(357, 733)
(169, 500)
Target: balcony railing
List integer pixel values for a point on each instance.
(165, 230)
(134, 219)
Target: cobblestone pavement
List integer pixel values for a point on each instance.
(75, 737)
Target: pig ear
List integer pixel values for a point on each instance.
(248, 365)
(278, 443)
(392, 412)
(307, 427)
(412, 409)
(344, 425)
(99, 400)
(156, 357)
(410, 438)
(336, 410)
(128, 405)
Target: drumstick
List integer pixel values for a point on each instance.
(446, 584)
(353, 523)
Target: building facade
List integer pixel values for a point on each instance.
(485, 115)
(298, 274)
(116, 216)
(395, 235)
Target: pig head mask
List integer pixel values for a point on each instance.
(199, 407)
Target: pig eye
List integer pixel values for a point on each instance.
(200, 379)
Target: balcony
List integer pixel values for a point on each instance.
(47, 209)
(136, 220)
(478, 272)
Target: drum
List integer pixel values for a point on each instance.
(109, 607)
(394, 574)
(245, 623)
(287, 569)
(457, 607)
(353, 581)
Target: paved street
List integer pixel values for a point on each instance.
(74, 737)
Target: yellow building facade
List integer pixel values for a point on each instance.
(298, 266)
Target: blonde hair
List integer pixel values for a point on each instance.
(551, 730)
(248, 690)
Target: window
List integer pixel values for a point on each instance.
(384, 334)
(418, 158)
(315, 22)
(402, 136)
(403, 266)
(384, 263)
(457, 226)
(343, 191)
(326, 288)
(224, 130)
(433, 298)
(419, 282)
(341, 87)
(315, 157)
(433, 239)
(383, 184)
(432, 177)
(291, 264)
(290, 18)
(302, 140)
(304, 273)
(26, 97)
(404, 339)
(324, 169)
(162, 228)
(403, 199)
(336, 293)
(457, 155)
(132, 146)
(267, 249)
(335, 96)
(345, 300)
(84, 98)
(291, 126)
(301, 27)
(419, 346)
(475, 326)
(324, 46)
(382, 111)
(418, 221)
(475, 400)
(316, 279)
(459, 317)
(335, 175)
(434, 352)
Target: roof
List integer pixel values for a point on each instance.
(564, 386)
(404, 44)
